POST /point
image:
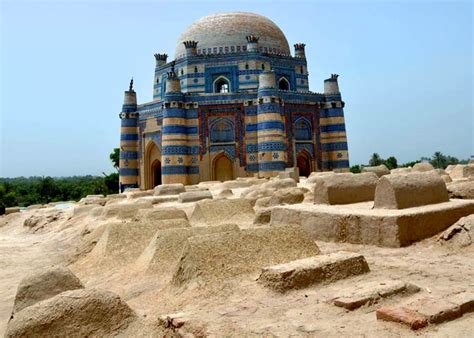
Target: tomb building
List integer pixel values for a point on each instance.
(233, 102)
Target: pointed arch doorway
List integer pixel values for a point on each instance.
(152, 166)
(223, 168)
(303, 162)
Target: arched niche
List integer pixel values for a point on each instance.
(303, 130)
(152, 165)
(221, 85)
(283, 84)
(222, 131)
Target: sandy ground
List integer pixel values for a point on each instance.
(241, 306)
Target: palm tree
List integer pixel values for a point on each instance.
(375, 160)
(439, 160)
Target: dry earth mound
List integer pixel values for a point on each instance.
(221, 211)
(162, 254)
(400, 191)
(293, 195)
(463, 189)
(227, 254)
(423, 166)
(40, 286)
(345, 188)
(73, 313)
(124, 210)
(379, 170)
(123, 242)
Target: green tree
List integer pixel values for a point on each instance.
(356, 169)
(438, 160)
(47, 189)
(375, 160)
(115, 158)
(452, 160)
(391, 162)
(111, 182)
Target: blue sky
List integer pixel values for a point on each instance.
(405, 68)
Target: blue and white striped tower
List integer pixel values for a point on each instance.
(271, 143)
(128, 165)
(174, 140)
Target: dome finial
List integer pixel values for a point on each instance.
(130, 88)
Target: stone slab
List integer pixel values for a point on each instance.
(194, 196)
(304, 272)
(371, 292)
(360, 224)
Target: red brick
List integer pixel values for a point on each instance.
(437, 310)
(402, 315)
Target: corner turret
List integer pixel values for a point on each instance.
(299, 50)
(191, 47)
(331, 87)
(128, 164)
(160, 59)
(252, 43)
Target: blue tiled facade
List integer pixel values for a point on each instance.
(252, 106)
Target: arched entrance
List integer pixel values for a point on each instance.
(156, 173)
(223, 168)
(152, 166)
(303, 162)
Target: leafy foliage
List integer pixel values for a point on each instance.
(356, 169)
(375, 160)
(24, 191)
(115, 158)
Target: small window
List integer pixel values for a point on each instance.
(195, 69)
(182, 71)
(247, 66)
(283, 84)
(263, 66)
(301, 70)
(221, 86)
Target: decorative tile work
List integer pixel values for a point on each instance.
(329, 165)
(180, 150)
(221, 129)
(332, 112)
(235, 111)
(128, 137)
(306, 146)
(130, 155)
(267, 125)
(155, 137)
(228, 149)
(333, 128)
(179, 170)
(334, 146)
(271, 146)
(230, 72)
(179, 129)
(128, 122)
(303, 129)
(128, 172)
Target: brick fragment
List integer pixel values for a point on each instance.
(437, 310)
(402, 315)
